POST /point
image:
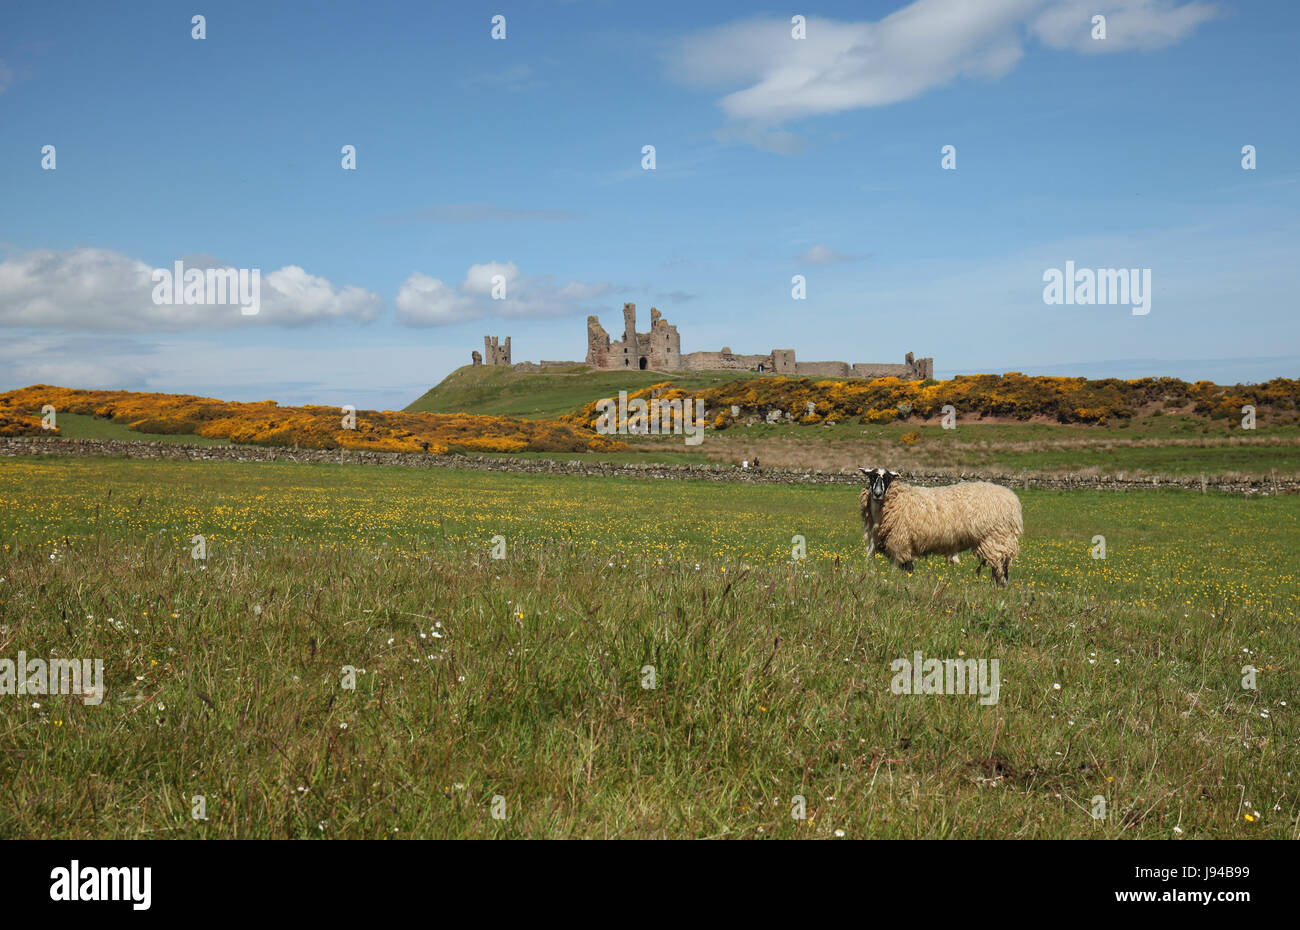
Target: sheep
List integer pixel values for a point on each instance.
(909, 521)
(869, 509)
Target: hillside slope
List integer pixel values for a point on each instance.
(502, 391)
(266, 423)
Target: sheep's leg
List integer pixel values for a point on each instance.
(870, 538)
(1013, 550)
(871, 552)
(906, 566)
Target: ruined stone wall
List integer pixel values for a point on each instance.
(783, 362)
(867, 370)
(662, 346)
(823, 369)
(598, 345)
(726, 361)
(912, 369)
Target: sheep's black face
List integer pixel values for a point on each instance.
(879, 480)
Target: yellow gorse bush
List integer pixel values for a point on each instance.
(313, 427)
(1013, 395)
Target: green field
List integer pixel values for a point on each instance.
(522, 678)
(84, 426)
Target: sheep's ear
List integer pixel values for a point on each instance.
(865, 471)
(895, 474)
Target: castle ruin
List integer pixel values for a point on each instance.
(661, 350)
(493, 352)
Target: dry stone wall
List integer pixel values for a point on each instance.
(30, 446)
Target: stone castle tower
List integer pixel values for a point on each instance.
(493, 352)
(661, 348)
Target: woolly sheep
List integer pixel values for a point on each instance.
(909, 521)
(869, 509)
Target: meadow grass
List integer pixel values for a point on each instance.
(522, 678)
(85, 426)
(502, 391)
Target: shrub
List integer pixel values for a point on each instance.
(13, 423)
(311, 427)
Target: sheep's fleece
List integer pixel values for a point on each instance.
(974, 515)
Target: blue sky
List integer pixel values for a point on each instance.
(523, 157)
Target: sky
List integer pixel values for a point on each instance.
(521, 161)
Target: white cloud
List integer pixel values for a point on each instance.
(844, 66)
(481, 279)
(297, 297)
(105, 291)
(825, 255)
(1133, 24)
(427, 301)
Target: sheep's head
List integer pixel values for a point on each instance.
(879, 480)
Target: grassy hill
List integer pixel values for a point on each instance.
(504, 392)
